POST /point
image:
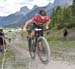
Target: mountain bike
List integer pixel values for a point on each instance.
(38, 44)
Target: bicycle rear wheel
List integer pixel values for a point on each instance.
(32, 48)
(43, 50)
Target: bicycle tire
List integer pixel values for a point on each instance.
(45, 61)
(32, 49)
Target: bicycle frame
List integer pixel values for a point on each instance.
(37, 34)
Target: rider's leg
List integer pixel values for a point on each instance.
(30, 38)
(32, 34)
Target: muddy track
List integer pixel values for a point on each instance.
(22, 57)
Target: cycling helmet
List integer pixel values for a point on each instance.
(42, 12)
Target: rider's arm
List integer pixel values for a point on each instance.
(47, 24)
(27, 24)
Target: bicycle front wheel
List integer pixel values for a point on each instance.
(43, 50)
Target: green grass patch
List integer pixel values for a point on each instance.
(62, 44)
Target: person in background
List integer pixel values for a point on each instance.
(65, 33)
(2, 41)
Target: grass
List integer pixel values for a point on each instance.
(62, 44)
(9, 57)
(1, 56)
(56, 39)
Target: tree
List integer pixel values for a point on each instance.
(57, 16)
(67, 14)
(62, 17)
(73, 8)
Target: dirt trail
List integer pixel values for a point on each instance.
(22, 57)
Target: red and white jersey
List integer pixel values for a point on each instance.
(40, 20)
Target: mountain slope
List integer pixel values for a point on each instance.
(24, 14)
(24, 10)
(63, 3)
(14, 18)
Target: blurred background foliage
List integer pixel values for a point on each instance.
(63, 17)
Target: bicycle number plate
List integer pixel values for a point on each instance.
(36, 29)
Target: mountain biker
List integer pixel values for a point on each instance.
(39, 21)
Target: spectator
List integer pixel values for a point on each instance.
(65, 33)
(2, 42)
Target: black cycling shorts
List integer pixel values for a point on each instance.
(37, 26)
